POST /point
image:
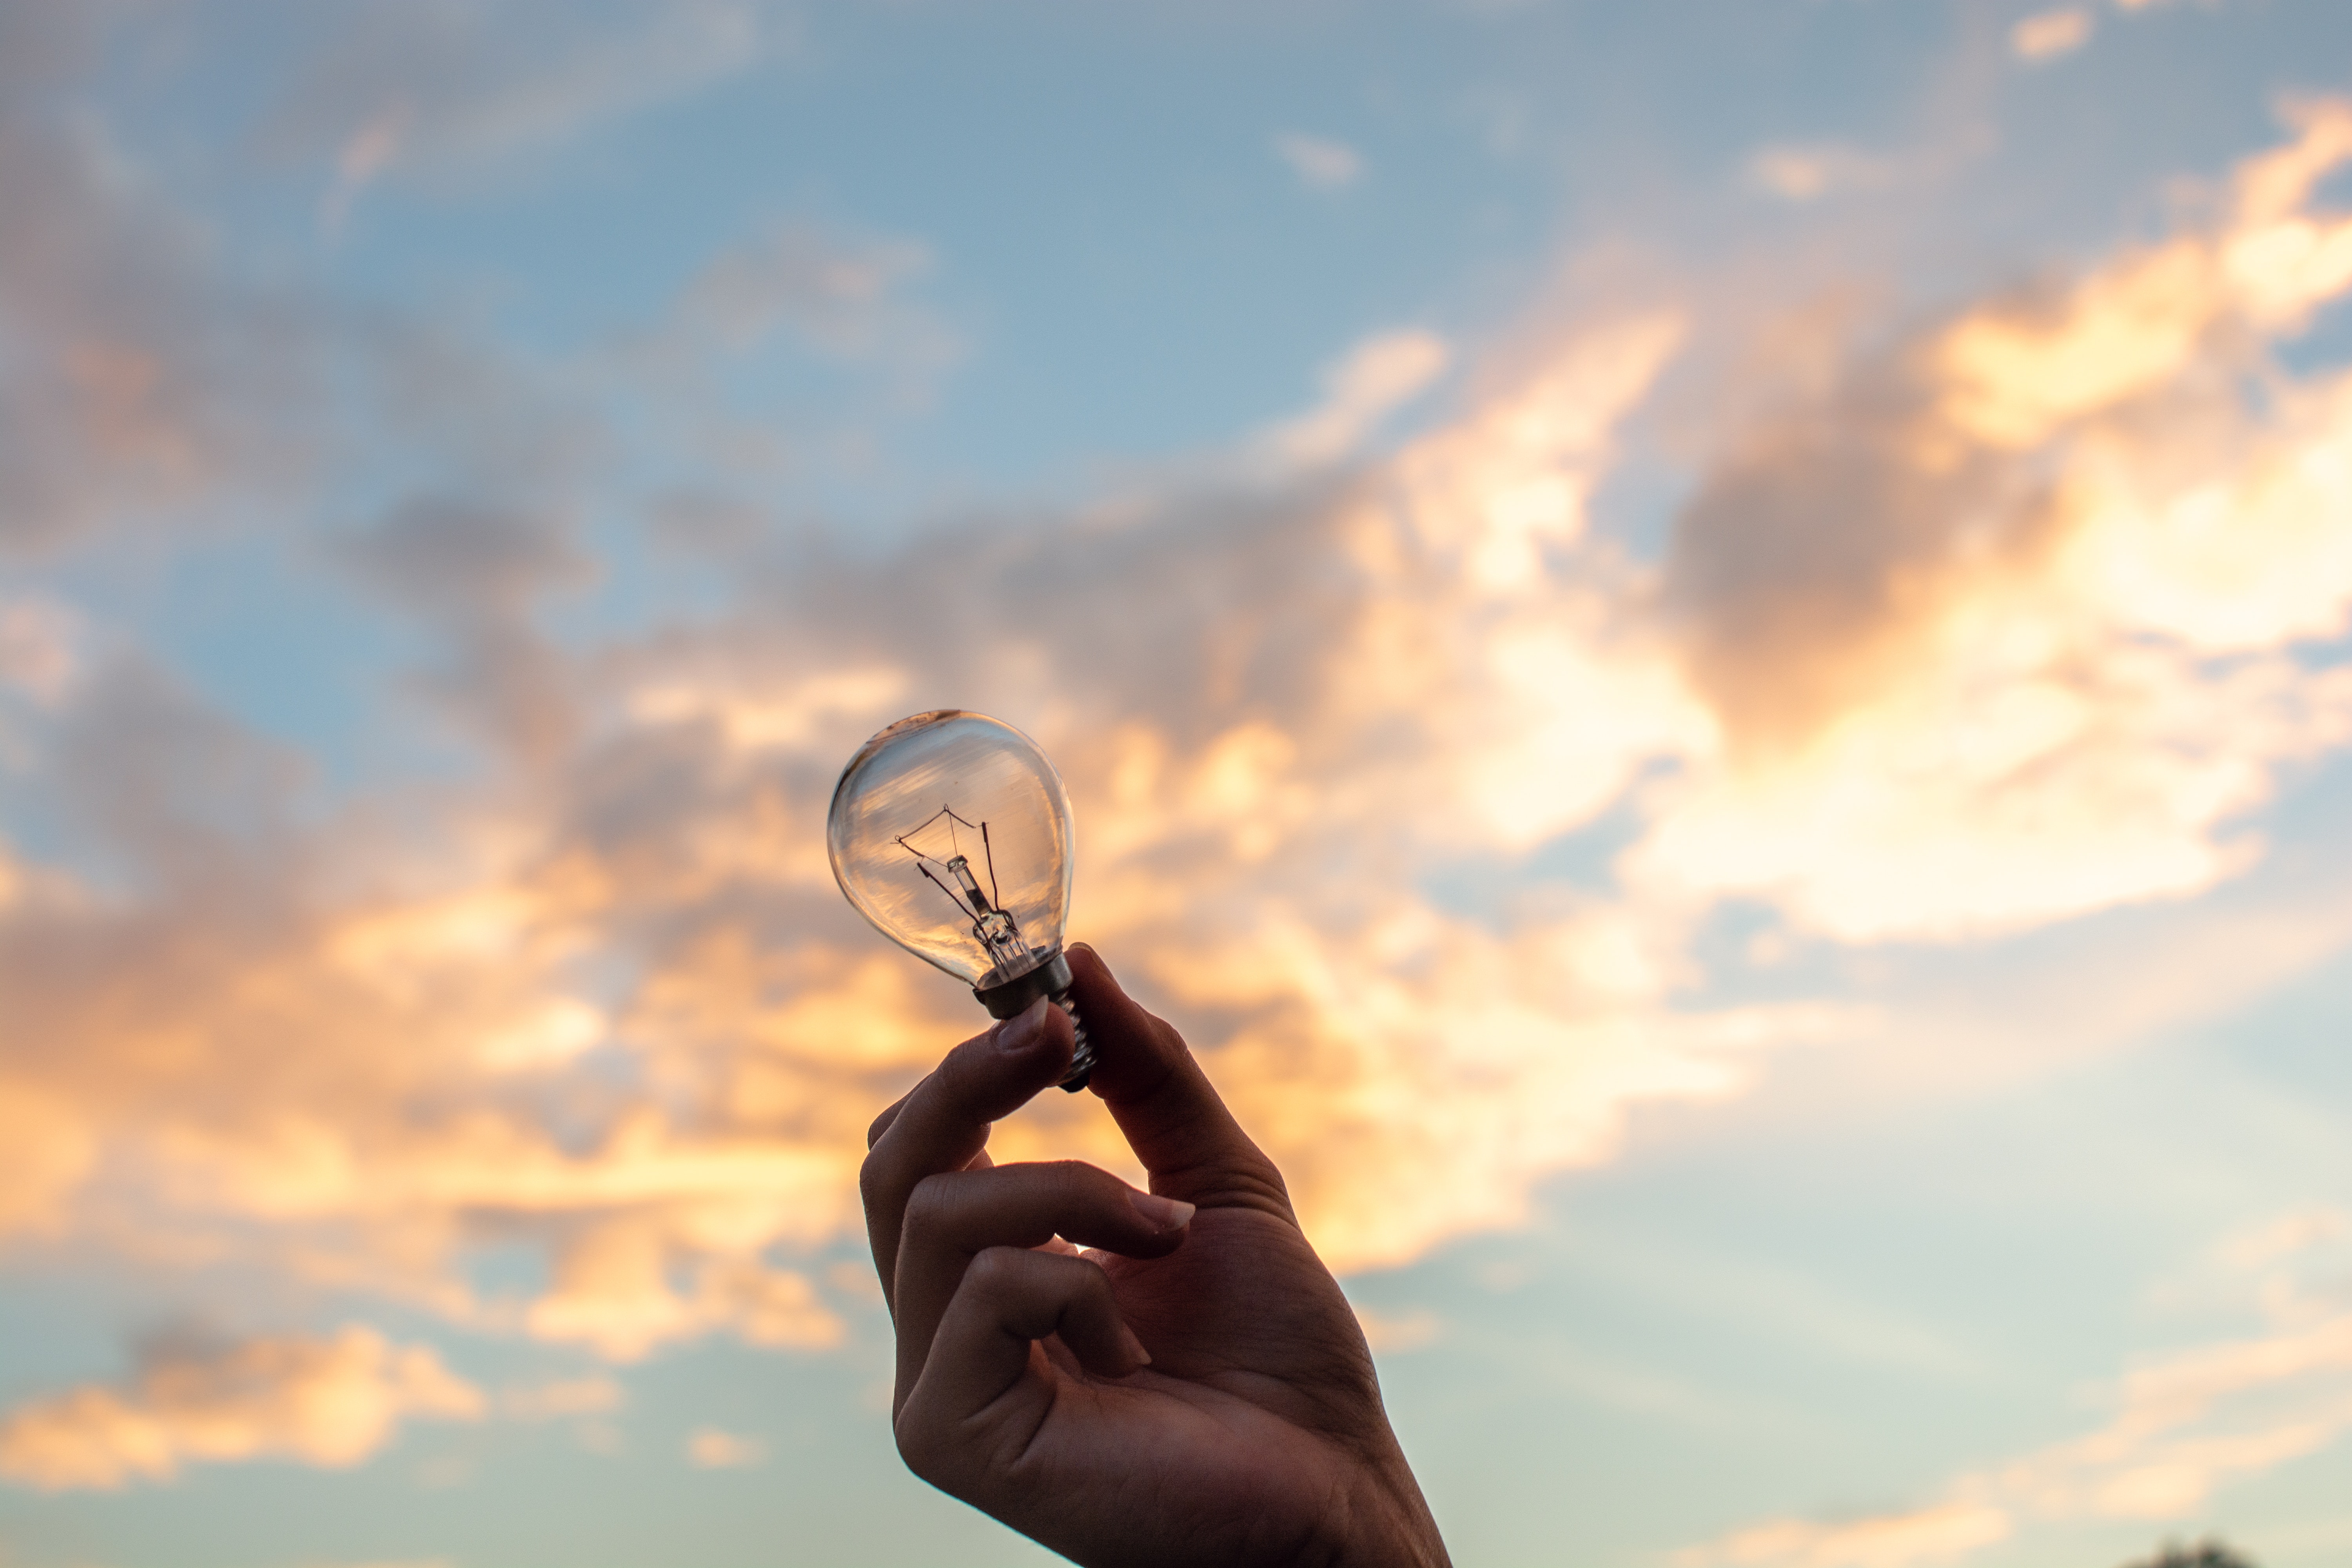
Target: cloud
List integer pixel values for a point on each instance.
(614, 1291)
(352, 1025)
(1808, 171)
(138, 382)
(432, 85)
(2046, 35)
(478, 571)
(2183, 1425)
(328, 1402)
(592, 1396)
(368, 154)
(360, 1075)
(835, 292)
(2285, 1252)
(46, 1150)
(1321, 161)
(2190, 1422)
(159, 383)
(844, 305)
(713, 1450)
(1378, 376)
(1963, 645)
(39, 651)
(2021, 605)
(1938, 1534)
(779, 362)
(1395, 1335)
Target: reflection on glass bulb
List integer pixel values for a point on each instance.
(951, 832)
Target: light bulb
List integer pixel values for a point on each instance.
(951, 832)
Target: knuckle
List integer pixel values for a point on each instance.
(1108, 1197)
(918, 1444)
(961, 1081)
(1088, 1279)
(873, 1178)
(955, 1070)
(929, 1206)
(996, 1271)
(1086, 1179)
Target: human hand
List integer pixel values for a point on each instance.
(1196, 1391)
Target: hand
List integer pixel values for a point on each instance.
(1196, 1391)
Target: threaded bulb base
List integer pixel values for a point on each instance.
(1082, 1055)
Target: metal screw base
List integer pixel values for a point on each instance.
(1082, 1056)
(1051, 979)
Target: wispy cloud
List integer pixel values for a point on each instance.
(836, 291)
(436, 85)
(1938, 1534)
(1377, 377)
(1805, 171)
(2183, 1425)
(1394, 1335)
(368, 154)
(2046, 35)
(712, 1449)
(592, 1396)
(1321, 161)
(39, 648)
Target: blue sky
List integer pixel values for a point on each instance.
(1701, 645)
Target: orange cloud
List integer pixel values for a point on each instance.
(2046, 35)
(1396, 1335)
(711, 1448)
(2011, 632)
(615, 1291)
(330, 1402)
(1938, 1534)
(2011, 628)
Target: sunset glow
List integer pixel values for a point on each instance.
(1726, 727)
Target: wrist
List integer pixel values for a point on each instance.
(1387, 1522)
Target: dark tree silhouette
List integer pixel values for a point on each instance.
(2210, 1553)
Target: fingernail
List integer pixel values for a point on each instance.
(1018, 1032)
(1135, 1350)
(1165, 1213)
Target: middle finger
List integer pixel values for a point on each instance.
(953, 1216)
(944, 1123)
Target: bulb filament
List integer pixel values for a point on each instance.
(997, 931)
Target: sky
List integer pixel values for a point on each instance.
(1705, 648)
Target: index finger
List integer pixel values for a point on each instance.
(1173, 1116)
(943, 1123)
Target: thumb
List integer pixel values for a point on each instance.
(1163, 1102)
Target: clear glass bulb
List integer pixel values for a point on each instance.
(951, 832)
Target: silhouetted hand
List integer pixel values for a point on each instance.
(1197, 1392)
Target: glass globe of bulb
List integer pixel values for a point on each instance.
(951, 832)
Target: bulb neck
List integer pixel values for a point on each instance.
(1009, 998)
(1050, 979)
